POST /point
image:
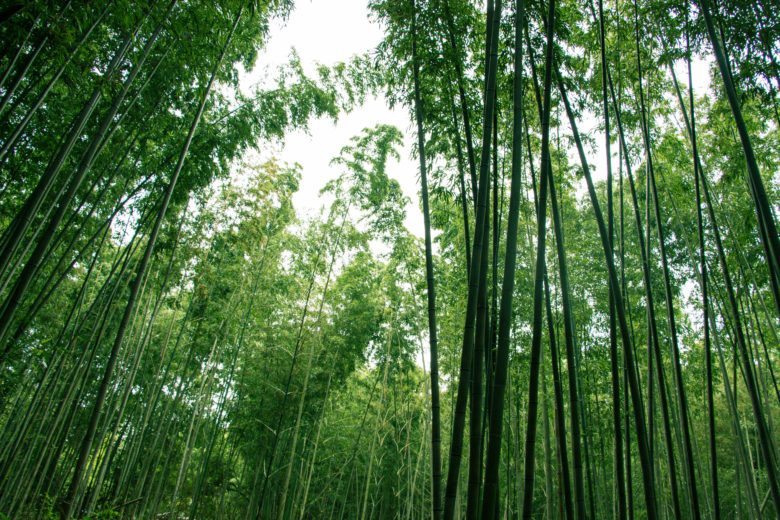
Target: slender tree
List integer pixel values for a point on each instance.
(430, 282)
(456, 441)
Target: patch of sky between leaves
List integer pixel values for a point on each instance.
(327, 32)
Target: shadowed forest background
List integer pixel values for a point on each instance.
(585, 324)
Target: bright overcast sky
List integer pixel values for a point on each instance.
(331, 31)
(327, 32)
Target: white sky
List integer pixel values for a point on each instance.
(327, 32)
(331, 31)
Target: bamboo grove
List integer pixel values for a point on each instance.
(585, 326)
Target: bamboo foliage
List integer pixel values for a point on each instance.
(583, 322)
